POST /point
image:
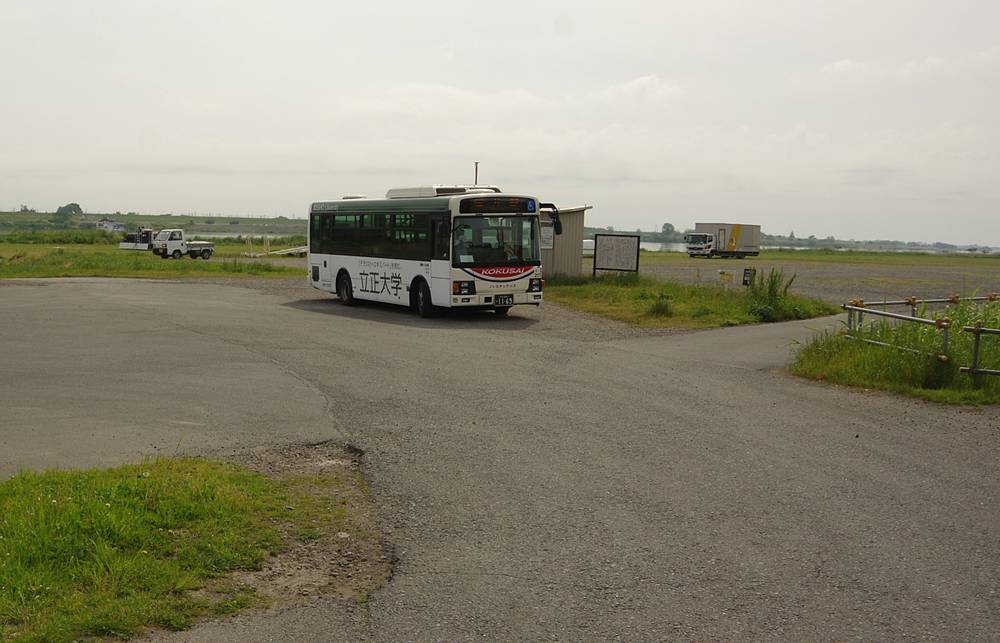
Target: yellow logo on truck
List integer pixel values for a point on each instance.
(734, 238)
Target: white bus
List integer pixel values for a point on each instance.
(430, 248)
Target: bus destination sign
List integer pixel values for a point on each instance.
(494, 204)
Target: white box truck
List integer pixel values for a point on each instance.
(723, 240)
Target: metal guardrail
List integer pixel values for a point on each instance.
(913, 302)
(856, 311)
(855, 315)
(977, 332)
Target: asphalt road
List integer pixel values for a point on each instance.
(547, 475)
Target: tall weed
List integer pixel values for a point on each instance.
(768, 299)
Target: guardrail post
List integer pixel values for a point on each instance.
(976, 334)
(944, 324)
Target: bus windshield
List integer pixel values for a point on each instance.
(495, 240)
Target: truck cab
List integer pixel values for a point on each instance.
(173, 243)
(700, 244)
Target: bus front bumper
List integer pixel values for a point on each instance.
(490, 301)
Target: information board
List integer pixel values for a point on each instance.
(548, 236)
(616, 252)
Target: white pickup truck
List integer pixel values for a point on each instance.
(174, 243)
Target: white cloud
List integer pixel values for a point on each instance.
(642, 90)
(919, 68)
(842, 67)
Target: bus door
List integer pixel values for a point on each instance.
(441, 259)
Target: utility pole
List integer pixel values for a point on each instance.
(475, 180)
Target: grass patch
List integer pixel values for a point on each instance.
(71, 236)
(652, 303)
(854, 363)
(83, 260)
(110, 552)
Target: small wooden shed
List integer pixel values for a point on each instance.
(562, 254)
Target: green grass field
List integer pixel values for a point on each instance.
(833, 358)
(651, 303)
(102, 260)
(107, 553)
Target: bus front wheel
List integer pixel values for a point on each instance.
(344, 290)
(422, 300)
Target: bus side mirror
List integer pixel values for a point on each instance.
(554, 216)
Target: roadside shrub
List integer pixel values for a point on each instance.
(90, 236)
(768, 299)
(767, 296)
(661, 306)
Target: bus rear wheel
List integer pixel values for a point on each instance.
(344, 290)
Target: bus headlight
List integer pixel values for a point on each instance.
(536, 285)
(463, 288)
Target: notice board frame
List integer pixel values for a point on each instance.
(597, 245)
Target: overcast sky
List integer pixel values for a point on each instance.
(859, 119)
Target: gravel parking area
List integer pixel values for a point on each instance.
(840, 281)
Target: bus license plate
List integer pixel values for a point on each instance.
(503, 300)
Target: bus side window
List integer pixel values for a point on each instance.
(326, 238)
(315, 236)
(442, 237)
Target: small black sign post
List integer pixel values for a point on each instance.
(748, 275)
